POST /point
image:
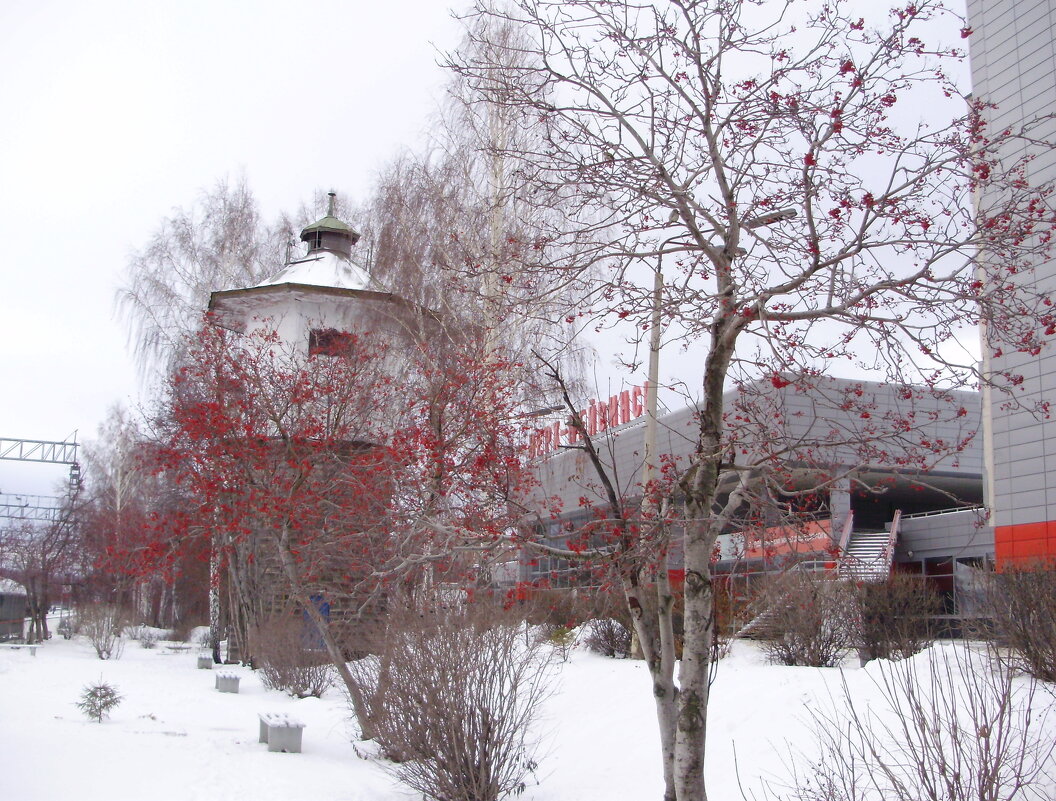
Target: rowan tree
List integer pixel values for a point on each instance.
(789, 184)
(337, 478)
(126, 555)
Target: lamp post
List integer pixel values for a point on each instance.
(649, 466)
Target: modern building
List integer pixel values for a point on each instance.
(1013, 65)
(889, 477)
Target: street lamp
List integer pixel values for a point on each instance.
(648, 467)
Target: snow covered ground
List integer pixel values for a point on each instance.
(175, 737)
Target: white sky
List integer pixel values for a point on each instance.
(114, 112)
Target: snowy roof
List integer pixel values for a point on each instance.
(320, 274)
(8, 586)
(324, 269)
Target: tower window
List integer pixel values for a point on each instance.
(330, 342)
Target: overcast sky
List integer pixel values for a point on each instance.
(116, 112)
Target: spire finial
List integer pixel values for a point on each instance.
(330, 207)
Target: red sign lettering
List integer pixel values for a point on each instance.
(599, 416)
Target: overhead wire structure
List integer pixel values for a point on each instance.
(39, 508)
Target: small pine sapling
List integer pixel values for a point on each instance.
(98, 699)
(562, 638)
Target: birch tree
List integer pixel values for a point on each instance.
(220, 242)
(448, 227)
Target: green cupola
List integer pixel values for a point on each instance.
(330, 233)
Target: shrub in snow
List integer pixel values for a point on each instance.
(954, 724)
(807, 620)
(462, 689)
(896, 618)
(98, 699)
(200, 636)
(146, 636)
(608, 637)
(1022, 606)
(102, 624)
(287, 660)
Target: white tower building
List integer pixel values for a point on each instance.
(317, 300)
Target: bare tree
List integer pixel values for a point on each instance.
(746, 175)
(38, 555)
(449, 228)
(218, 243)
(954, 724)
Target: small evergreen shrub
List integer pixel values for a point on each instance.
(562, 638)
(98, 699)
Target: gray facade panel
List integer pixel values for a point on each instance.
(1031, 483)
(1021, 515)
(955, 534)
(1013, 63)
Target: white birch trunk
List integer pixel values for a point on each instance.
(691, 730)
(214, 599)
(656, 639)
(703, 525)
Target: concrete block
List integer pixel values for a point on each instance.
(227, 682)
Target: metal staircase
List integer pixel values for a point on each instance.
(761, 626)
(863, 556)
(868, 555)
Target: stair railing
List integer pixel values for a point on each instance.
(888, 553)
(845, 534)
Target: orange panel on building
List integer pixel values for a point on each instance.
(1028, 542)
